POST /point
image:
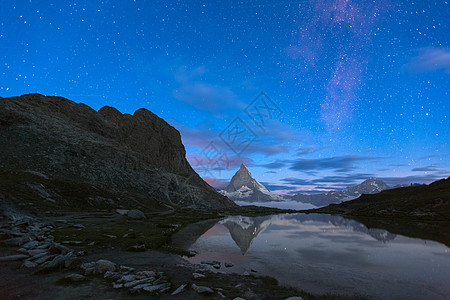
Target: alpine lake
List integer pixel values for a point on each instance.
(326, 254)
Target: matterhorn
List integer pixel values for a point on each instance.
(243, 187)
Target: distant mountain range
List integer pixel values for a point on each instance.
(243, 187)
(429, 202)
(369, 186)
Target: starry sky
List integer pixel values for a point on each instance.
(312, 95)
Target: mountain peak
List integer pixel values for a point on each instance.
(244, 187)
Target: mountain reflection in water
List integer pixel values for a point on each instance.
(244, 229)
(323, 254)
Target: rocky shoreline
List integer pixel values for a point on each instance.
(36, 266)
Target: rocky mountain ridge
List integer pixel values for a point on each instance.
(58, 138)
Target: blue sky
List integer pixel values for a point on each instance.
(310, 95)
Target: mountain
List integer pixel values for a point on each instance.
(52, 141)
(243, 187)
(369, 186)
(423, 202)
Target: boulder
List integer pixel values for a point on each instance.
(103, 265)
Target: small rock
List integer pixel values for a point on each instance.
(126, 269)
(127, 278)
(198, 275)
(202, 289)
(28, 264)
(31, 245)
(14, 257)
(294, 298)
(139, 282)
(160, 287)
(179, 290)
(71, 242)
(103, 265)
(22, 250)
(229, 265)
(37, 252)
(78, 225)
(221, 295)
(89, 271)
(110, 236)
(110, 274)
(87, 265)
(75, 277)
(56, 263)
(73, 263)
(17, 241)
(136, 214)
(41, 258)
(117, 285)
(138, 248)
(144, 274)
(238, 298)
(122, 212)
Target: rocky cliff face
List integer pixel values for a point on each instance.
(59, 138)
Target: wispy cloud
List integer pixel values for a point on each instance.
(431, 168)
(194, 89)
(307, 150)
(430, 59)
(278, 164)
(344, 163)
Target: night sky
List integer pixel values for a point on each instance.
(311, 95)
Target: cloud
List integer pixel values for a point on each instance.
(347, 179)
(194, 90)
(274, 165)
(431, 168)
(296, 181)
(276, 187)
(430, 59)
(338, 163)
(275, 139)
(336, 181)
(307, 150)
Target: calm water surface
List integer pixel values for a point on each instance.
(329, 254)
